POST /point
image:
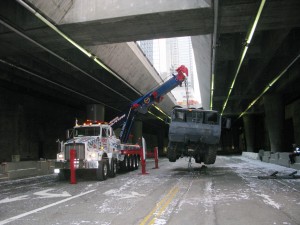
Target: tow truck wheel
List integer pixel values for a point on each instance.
(126, 162)
(132, 161)
(63, 175)
(129, 163)
(113, 167)
(136, 162)
(198, 158)
(102, 170)
(123, 164)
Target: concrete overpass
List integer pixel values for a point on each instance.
(40, 67)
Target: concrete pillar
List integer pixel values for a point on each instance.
(160, 140)
(296, 122)
(95, 112)
(137, 131)
(249, 131)
(274, 111)
(203, 52)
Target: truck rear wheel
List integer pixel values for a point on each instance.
(113, 167)
(132, 161)
(136, 162)
(211, 155)
(64, 175)
(198, 158)
(172, 152)
(129, 163)
(102, 170)
(123, 164)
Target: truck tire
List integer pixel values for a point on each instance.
(113, 167)
(64, 175)
(123, 164)
(136, 162)
(102, 170)
(198, 158)
(129, 163)
(211, 155)
(133, 164)
(172, 152)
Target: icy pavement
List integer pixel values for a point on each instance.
(226, 193)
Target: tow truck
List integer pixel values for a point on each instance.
(96, 145)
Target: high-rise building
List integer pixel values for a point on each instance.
(167, 55)
(180, 52)
(159, 57)
(147, 48)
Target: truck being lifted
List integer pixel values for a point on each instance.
(194, 133)
(97, 148)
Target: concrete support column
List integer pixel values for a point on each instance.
(160, 140)
(296, 122)
(274, 110)
(203, 45)
(137, 131)
(95, 112)
(249, 132)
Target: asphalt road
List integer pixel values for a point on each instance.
(226, 193)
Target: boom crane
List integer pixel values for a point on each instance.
(97, 147)
(142, 104)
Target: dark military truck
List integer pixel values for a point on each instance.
(194, 133)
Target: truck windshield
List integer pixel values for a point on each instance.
(87, 131)
(195, 116)
(211, 118)
(187, 116)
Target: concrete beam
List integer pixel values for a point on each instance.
(202, 46)
(127, 60)
(77, 11)
(91, 23)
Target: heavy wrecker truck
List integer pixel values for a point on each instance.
(96, 145)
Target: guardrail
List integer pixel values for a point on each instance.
(278, 158)
(21, 169)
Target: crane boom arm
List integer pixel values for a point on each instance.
(142, 104)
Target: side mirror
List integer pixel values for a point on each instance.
(69, 134)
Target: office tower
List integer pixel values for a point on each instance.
(180, 52)
(147, 48)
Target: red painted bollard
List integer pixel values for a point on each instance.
(72, 166)
(143, 161)
(156, 157)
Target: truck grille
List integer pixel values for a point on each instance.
(79, 151)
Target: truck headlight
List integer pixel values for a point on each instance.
(92, 156)
(56, 171)
(60, 156)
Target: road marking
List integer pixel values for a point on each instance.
(45, 194)
(122, 194)
(165, 205)
(161, 206)
(42, 208)
(6, 200)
